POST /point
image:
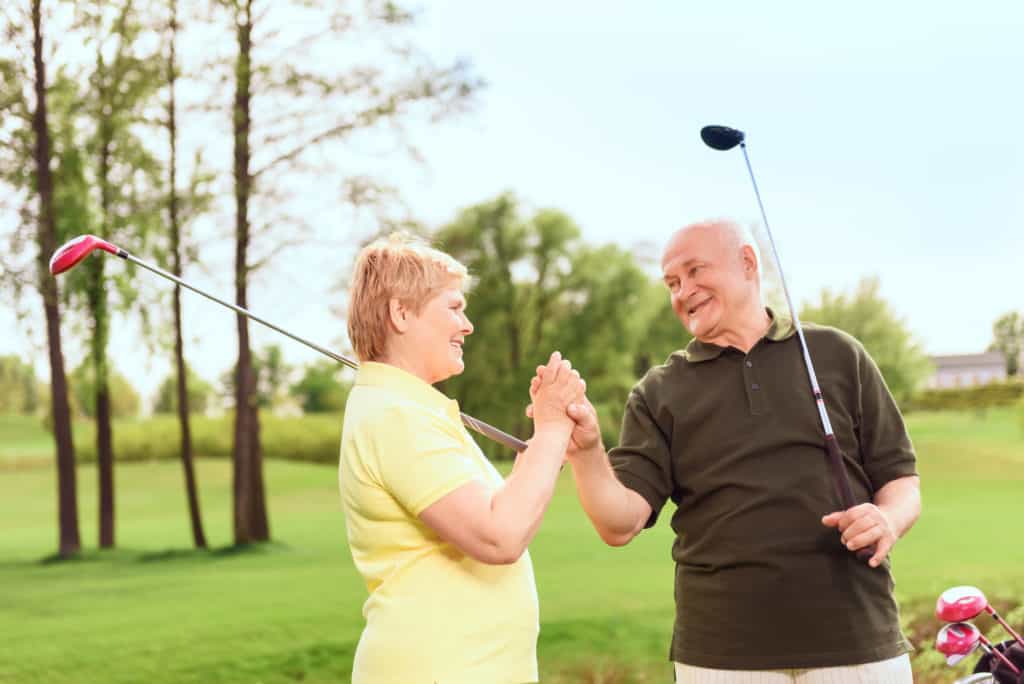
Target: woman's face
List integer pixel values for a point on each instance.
(438, 332)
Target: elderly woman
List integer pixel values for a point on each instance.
(439, 536)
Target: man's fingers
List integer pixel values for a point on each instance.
(882, 550)
(859, 526)
(551, 371)
(832, 519)
(863, 539)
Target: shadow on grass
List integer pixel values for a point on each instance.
(167, 555)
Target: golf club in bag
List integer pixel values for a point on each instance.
(1002, 663)
(725, 138)
(74, 251)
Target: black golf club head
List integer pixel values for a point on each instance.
(721, 137)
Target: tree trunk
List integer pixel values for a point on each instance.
(98, 305)
(250, 517)
(67, 497)
(198, 536)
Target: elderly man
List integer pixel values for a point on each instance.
(767, 584)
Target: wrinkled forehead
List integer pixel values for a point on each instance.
(698, 242)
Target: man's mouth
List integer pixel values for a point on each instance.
(694, 310)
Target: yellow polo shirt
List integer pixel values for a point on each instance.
(433, 614)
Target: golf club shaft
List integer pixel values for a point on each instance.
(472, 423)
(842, 479)
(998, 618)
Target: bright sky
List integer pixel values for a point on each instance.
(883, 136)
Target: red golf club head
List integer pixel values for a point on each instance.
(74, 251)
(960, 603)
(957, 641)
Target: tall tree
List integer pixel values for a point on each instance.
(125, 176)
(175, 225)
(67, 499)
(308, 104)
(866, 315)
(537, 287)
(1008, 338)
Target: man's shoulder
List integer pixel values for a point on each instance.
(656, 376)
(835, 337)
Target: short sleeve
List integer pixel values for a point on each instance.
(642, 461)
(421, 457)
(886, 449)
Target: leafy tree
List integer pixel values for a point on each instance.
(124, 402)
(199, 393)
(307, 104)
(19, 388)
(868, 317)
(320, 390)
(26, 158)
(538, 288)
(1008, 338)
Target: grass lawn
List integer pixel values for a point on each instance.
(156, 611)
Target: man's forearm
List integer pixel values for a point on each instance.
(617, 512)
(900, 500)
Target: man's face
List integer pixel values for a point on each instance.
(709, 279)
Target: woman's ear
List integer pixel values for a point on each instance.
(399, 315)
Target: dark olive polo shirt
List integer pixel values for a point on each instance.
(735, 441)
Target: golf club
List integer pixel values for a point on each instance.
(960, 639)
(980, 678)
(74, 251)
(965, 603)
(725, 138)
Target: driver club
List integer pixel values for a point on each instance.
(725, 138)
(74, 251)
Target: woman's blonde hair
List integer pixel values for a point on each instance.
(400, 266)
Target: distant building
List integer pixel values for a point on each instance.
(967, 370)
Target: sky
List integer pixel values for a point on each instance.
(883, 137)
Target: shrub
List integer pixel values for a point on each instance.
(968, 398)
(314, 439)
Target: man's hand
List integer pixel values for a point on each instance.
(863, 526)
(586, 433)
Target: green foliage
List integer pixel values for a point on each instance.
(868, 317)
(1008, 338)
(979, 397)
(538, 288)
(198, 391)
(320, 390)
(20, 391)
(124, 400)
(271, 373)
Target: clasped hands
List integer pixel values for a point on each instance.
(558, 394)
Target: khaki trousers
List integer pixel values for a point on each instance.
(893, 671)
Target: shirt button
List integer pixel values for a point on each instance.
(755, 386)
(750, 364)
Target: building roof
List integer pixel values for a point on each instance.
(993, 358)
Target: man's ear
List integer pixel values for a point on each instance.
(750, 265)
(399, 315)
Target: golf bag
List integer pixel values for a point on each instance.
(999, 669)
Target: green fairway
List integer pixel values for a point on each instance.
(23, 439)
(156, 611)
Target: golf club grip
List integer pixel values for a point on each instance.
(845, 491)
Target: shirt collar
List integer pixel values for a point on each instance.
(375, 374)
(781, 328)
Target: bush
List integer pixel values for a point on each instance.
(968, 398)
(313, 439)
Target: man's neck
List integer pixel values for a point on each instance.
(745, 333)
